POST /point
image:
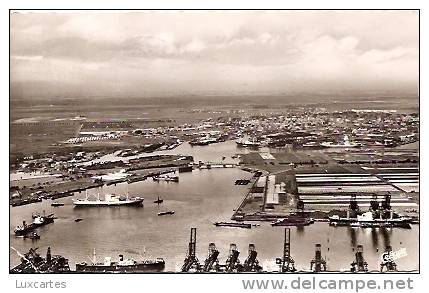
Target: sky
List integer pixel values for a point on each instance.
(148, 53)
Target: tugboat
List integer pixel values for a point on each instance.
(109, 200)
(121, 266)
(38, 221)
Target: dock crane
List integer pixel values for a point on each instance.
(211, 263)
(353, 206)
(251, 264)
(191, 261)
(359, 264)
(287, 264)
(387, 207)
(318, 264)
(233, 263)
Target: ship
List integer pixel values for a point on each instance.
(38, 221)
(246, 142)
(32, 262)
(345, 144)
(233, 224)
(202, 141)
(293, 220)
(166, 178)
(121, 266)
(57, 204)
(109, 200)
(366, 220)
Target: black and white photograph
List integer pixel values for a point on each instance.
(214, 142)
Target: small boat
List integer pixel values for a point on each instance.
(33, 236)
(57, 204)
(166, 213)
(78, 220)
(158, 201)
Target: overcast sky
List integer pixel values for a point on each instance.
(147, 53)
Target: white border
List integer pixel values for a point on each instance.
(192, 283)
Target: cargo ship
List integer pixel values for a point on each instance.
(366, 220)
(38, 221)
(121, 266)
(293, 220)
(109, 200)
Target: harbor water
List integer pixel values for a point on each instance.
(199, 199)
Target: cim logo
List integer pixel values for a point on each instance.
(393, 255)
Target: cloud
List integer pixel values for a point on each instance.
(217, 51)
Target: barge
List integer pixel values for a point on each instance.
(293, 220)
(233, 224)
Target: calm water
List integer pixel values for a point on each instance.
(201, 198)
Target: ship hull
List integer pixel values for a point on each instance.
(137, 268)
(371, 224)
(232, 224)
(247, 145)
(294, 222)
(138, 202)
